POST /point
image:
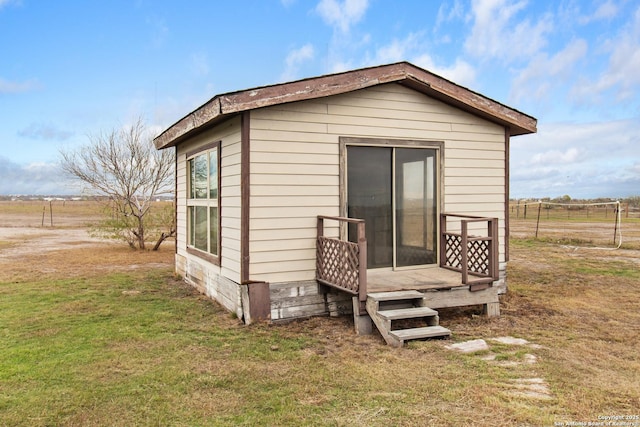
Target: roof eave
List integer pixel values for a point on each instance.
(188, 124)
(519, 123)
(470, 101)
(222, 106)
(235, 102)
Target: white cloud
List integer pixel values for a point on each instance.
(338, 66)
(556, 157)
(342, 15)
(460, 72)
(497, 33)
(300, 55)
(35, 178)
(3, 3)
(544, 73)
(295, 59)
(346, 52)
(159, 31)
(397, 50)
(412, 48)
(7, 86)
(584, 160)
(605, 11)
(45, 131)
(200, 64)
(621, 75)
(448, 14)
(624, 61)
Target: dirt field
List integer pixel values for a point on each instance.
(581, 233)
(31, 249)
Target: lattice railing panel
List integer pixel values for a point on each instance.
(337, 263)
(453, 251)
(478, 257)
(478, 254)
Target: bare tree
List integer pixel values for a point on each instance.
(124, 166)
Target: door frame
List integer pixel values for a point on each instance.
(344, 142)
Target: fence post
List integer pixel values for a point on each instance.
(615, 228)
(538, 221)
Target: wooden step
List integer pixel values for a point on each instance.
(386, 307)
(407, 313)
(395, 296)
(419, 333)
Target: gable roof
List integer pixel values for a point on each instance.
(225, 105)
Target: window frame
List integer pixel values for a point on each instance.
(204, 202)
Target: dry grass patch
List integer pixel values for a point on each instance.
(589, 325)
(36, 213)
(99, 259)
(4, 244)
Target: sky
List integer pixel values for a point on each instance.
(70, 69)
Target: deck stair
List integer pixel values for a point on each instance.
(385, 308)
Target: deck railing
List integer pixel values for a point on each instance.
(470, 255)
(342, 264)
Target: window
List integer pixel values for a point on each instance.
(203, 199)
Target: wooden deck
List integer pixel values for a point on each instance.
(423, 279)
(441, 288)
(342, 264)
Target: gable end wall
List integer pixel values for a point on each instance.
(295, 167)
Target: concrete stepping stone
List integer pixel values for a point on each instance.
(510, 341)
(472, 346)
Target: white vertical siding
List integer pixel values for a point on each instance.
(295, 167)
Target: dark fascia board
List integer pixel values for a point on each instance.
(223, 106)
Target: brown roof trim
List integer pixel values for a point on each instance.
(221, 106)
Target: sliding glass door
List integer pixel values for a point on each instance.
(369, 194)
(394, 190)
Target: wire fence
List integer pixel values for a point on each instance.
(597, 225)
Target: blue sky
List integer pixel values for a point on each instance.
(69, 69)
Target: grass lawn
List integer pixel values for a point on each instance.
(111, 337)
